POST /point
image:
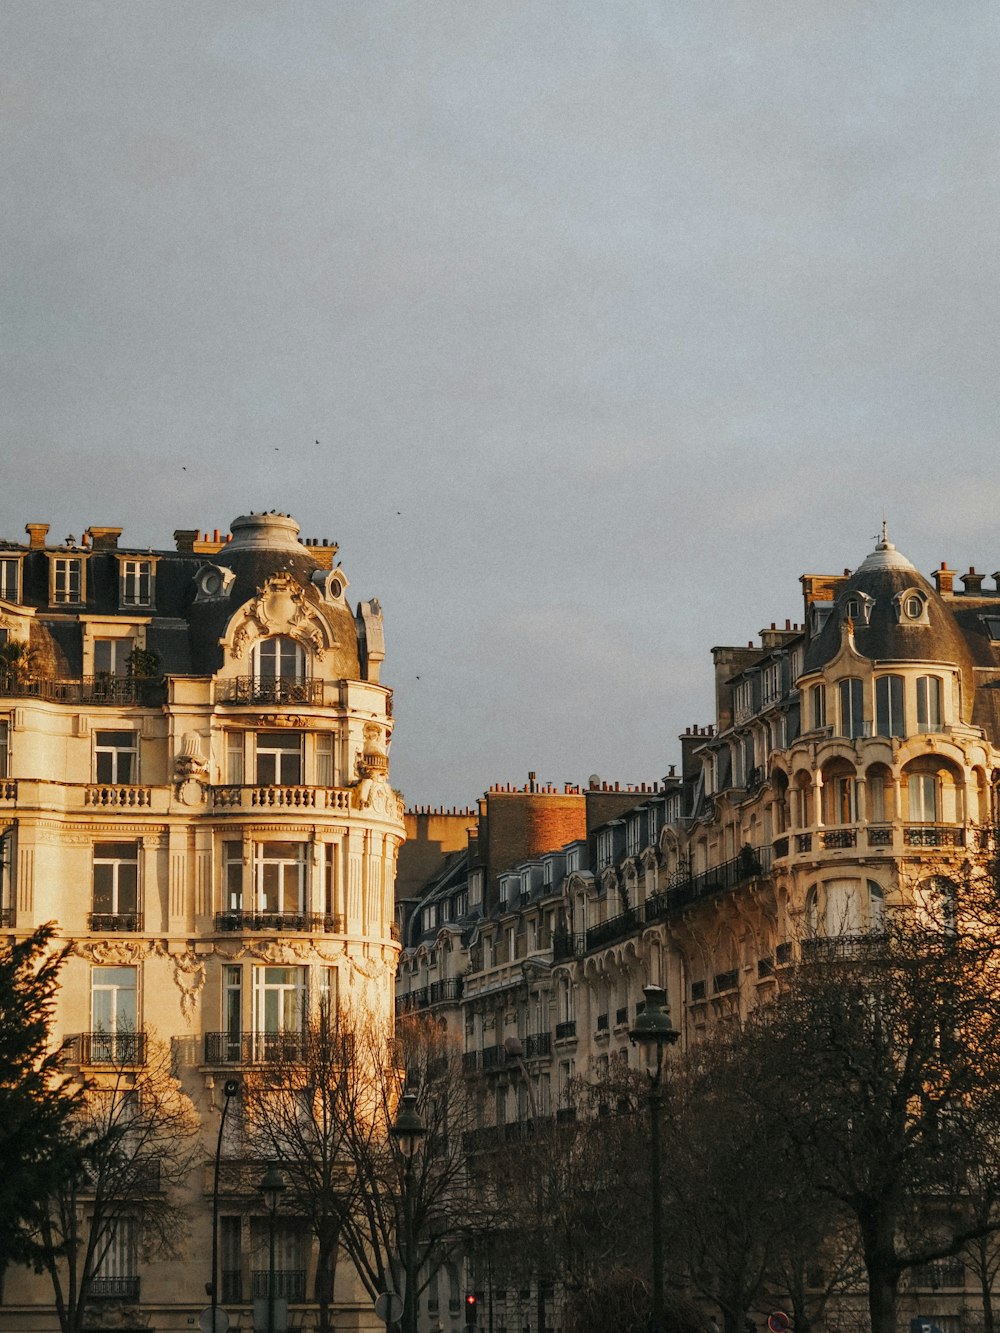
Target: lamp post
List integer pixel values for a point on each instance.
(653, 1032)
(230, 1089)
(271, 1189)
(408, 1131)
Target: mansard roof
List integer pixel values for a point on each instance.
(883, 631)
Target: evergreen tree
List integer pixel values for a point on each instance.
(36, 1102)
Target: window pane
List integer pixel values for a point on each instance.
(889, 706)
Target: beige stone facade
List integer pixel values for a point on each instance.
(853, 762)
(195, 789)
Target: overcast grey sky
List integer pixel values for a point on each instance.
(611, 318)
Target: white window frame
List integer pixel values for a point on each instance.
(890, 720)
(136, 581)
(278, 750)
(293, 857)
(67, 580)
(287, 988)
(919, 787)
(119, 651)
(854, 687)
(119, 881)
(118, 754)
(930, 703)
(117, 983)
(279, 657)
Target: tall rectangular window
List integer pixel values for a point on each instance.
(929, 711)
(280, 876)
(4, 747)
(852, 707)
(817, 706)
(232, 1011)
(331, 895)
(924, 792)
(114, 1013)
(324, 759)
(889, 720)
(235, 741)
(279, 759)
(67, 581)
(231, 1259)
(10, 579)
(111, 656)
(116, 755)
(136, 582)
(232, 876)
(116, 1276)
(116, 885)
(279, 1010)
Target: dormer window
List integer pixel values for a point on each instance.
(858, 608)
(213, 581)
(279, 658)
(67, 585)
(10, 579)
(135, 587)
(911, 607)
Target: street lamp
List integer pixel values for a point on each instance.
(653, 1032)
(408, 1130)
(230, 1088)
(270, 1189)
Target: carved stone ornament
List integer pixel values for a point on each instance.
(112, 953)
(191, 792)
(189, 978)
(282, 606)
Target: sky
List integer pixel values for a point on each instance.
(584, 326)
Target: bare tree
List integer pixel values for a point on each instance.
(134, 1141)
(880, 1062)
(324, 1111)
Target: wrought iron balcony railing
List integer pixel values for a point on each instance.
(312, 923)
(254, 1048)
(264, 690)
(929, 835)
(113, 1048)
(289, 1284)
(537, 1044)
(106, 923)
(117, 691)
(114, 1289)
(566, 1031)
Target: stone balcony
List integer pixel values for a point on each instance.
(845, 841)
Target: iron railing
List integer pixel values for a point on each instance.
(450, 989)
(273, 690)
(254, 1048)
(289, 1284)
(117, 691)
(927, 835)
(114, 1289)
(313, 923)
(113, 1048)
(537, 1044)
(567, 1030)
(113, 922)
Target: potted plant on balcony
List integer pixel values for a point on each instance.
(18, 663)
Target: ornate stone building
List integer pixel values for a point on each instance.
(853, 762)
(194, 787)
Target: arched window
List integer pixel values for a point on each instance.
(279, 669)
(937, 901)
(812, 911)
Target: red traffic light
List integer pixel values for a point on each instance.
(470, 1301)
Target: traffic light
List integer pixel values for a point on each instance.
(471, 1305)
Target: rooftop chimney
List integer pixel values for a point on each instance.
(104, 539)
(944, 579)
(185, 539)
(972, 582)
(36, 534)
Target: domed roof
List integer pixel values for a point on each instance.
(891, 627)
(262, 546)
